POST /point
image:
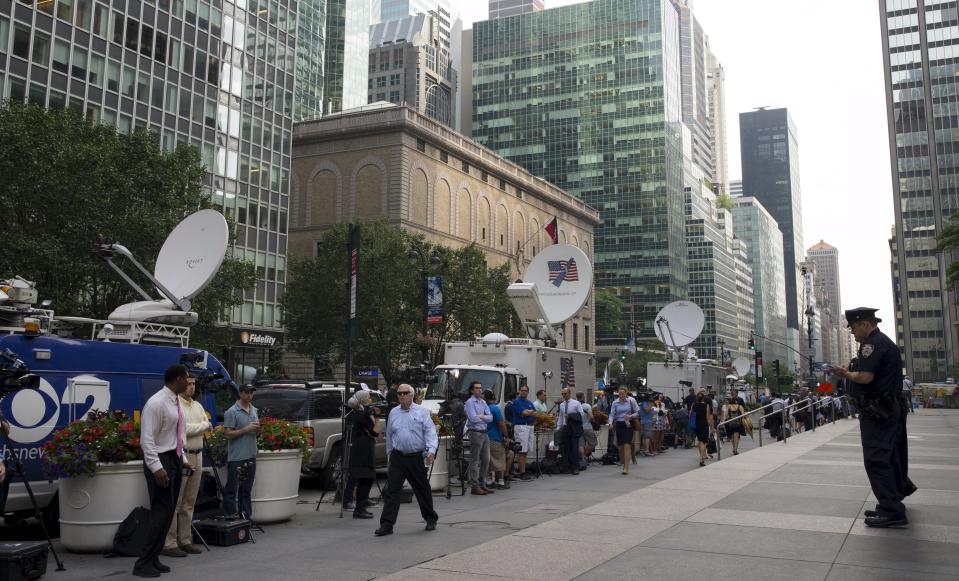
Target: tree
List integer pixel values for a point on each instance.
(67, 180)
(948, 242)
(724, 202)
(609, 311)
(390, 299)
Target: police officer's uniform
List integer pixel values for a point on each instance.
(880, 431)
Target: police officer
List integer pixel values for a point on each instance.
(878, 375)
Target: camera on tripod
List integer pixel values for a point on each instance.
(14, 374)
(515, 446)
(243, 470)
(418, 375)
(380, 406)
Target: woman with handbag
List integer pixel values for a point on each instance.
(623, 412)
(701, 420)
(734, 410)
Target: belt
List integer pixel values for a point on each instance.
(475, 430)
(197, 451)
(409, 455)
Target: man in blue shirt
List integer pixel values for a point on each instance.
(410, 447)
(242, 424)
(498, 433)
(646, 421)
(523, 422)
(477, 416)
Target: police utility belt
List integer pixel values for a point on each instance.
(879, 407)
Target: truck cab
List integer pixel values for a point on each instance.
(503, 381)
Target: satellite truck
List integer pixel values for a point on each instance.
(555, 287)
(677, 325)
(54, 369)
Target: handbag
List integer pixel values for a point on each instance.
(635, 423)
(711, 445)
(692, 421)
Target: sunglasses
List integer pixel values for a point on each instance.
(405, 392)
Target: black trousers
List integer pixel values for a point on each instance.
(880, 454)
(902, 448)
(571, 440)
(407, 468)
(362, 486)
(162, 507)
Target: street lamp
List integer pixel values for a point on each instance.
(425, 262)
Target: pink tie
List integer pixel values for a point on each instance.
(179, 429)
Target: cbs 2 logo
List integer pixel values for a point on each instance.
(34, 414)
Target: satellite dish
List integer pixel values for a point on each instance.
(741, 365)
(679, 323)
(563, 276)
(496, 338)
(192, 253)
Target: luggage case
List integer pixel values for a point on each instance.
(23, 561)
(223, 533)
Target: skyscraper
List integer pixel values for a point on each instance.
(588, 97)
(216, 77)
(920, 47)
(716, 121)
(346, 55)
(385, 10)
(828, 300)
(693, 49)
(504, 8)
(764, 247)
(770, 166)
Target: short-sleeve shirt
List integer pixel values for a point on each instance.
(244, 447)
(880, 356)
(521, 404)
(646, 413)
(492, 428)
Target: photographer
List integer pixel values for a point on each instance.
(242, 423)
(364, 430)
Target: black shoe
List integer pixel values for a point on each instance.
(885, 522)
(362, 513)
(431, 525)
(871, 513)
(348, 506)
(383, 531)
(146, 572)
(368, 503)
(161, 567)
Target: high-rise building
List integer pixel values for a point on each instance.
(832, 320)
(504, 8)
(310, 59)
(464, 70)
(716, 122)
(920, 47)
(385, 10)
(409, 64)
(826, 258)
(812, 346)
(770, 167)
(764, 247)
(218, 78)
(346, 55)
(591, 101)
(745, 305)
(736, 188)
(693, 49)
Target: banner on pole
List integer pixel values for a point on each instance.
(434, 300)
(352, 325)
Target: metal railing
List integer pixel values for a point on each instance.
(785, 412)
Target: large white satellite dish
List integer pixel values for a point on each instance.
(563, 276)
(679, 323)
(741, 365)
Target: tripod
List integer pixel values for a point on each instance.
(18, 469)
(243, 474)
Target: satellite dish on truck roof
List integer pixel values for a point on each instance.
(563, 276)
(741, 365)
(679, 323)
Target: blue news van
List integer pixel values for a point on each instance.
(77, 375)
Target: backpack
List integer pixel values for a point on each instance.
(131, 536)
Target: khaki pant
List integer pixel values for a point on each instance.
(183, 517)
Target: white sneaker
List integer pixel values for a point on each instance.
(500, 482)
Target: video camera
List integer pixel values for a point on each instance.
(416, 375)
(14, 374)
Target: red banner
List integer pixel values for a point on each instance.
(824, 388)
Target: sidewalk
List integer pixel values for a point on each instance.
(787, 511)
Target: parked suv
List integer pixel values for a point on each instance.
(317, 405)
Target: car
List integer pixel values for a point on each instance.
(317, 405)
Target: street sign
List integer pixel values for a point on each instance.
(367, 373)
(824, 388)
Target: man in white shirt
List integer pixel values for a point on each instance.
(571, 417)
(164, 457)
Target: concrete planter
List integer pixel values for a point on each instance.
(441, 465)
(92, 508)
(276, 486)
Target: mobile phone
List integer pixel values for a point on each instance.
(187, 471)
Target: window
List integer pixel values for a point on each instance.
(129, 82)
(586, 337)
(61, 56)
(484, 176)
(79, 68)
(466, 167)
(21, 42)
(100, 20)
(65, 10)
(143, 88)
(45, 6)
(444, 157)
(113, 76)
(96, 70)
(4, 36)
(132, 34)
(420, 145)
(326, 404)
(118, 28)
(84, 14)
(171, 93)
(41, 49)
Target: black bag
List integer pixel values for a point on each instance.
(131, 536)
(711, 446)
(23, 561)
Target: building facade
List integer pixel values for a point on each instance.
(764, 247)
(920, 51)
(588, 97)
(409, 64)
(770, 167)
(716, 122)
(829, 300)
(693, 49)
(505, 8)
(218, 77)
(346, 55)
(395, 162)
(745, 305)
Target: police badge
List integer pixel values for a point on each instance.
(867, 350)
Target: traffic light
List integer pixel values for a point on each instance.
(752, 344)
(776, 367)
(622, 355)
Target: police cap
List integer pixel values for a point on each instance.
(862, 314)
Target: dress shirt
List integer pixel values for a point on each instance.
(570, 406)
(541, 406)
(477, 414)
(158, 428)
(194, 417)
(411, 430)
(623, 411)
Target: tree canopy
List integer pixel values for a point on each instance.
(948, 241)
(609, 311)
(67, 180)
(391, 298)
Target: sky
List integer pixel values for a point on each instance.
(822, 60)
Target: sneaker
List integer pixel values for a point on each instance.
(174, 552)
(191, 549)
(500, 483)
(525, 477)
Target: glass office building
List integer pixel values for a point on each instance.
(217, 75)
(347, 54)
(920, 41)
(587, 97)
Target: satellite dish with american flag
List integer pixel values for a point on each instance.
(563, 275)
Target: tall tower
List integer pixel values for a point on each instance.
(504, 8)
(919, 48)
(770, 167)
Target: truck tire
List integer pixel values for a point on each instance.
(334, 467)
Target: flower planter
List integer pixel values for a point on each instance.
(276, 485)
(92, 508)
(441, 465)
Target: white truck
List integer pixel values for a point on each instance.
(674, 378)
(504, 364)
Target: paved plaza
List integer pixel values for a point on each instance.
(784, 511)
